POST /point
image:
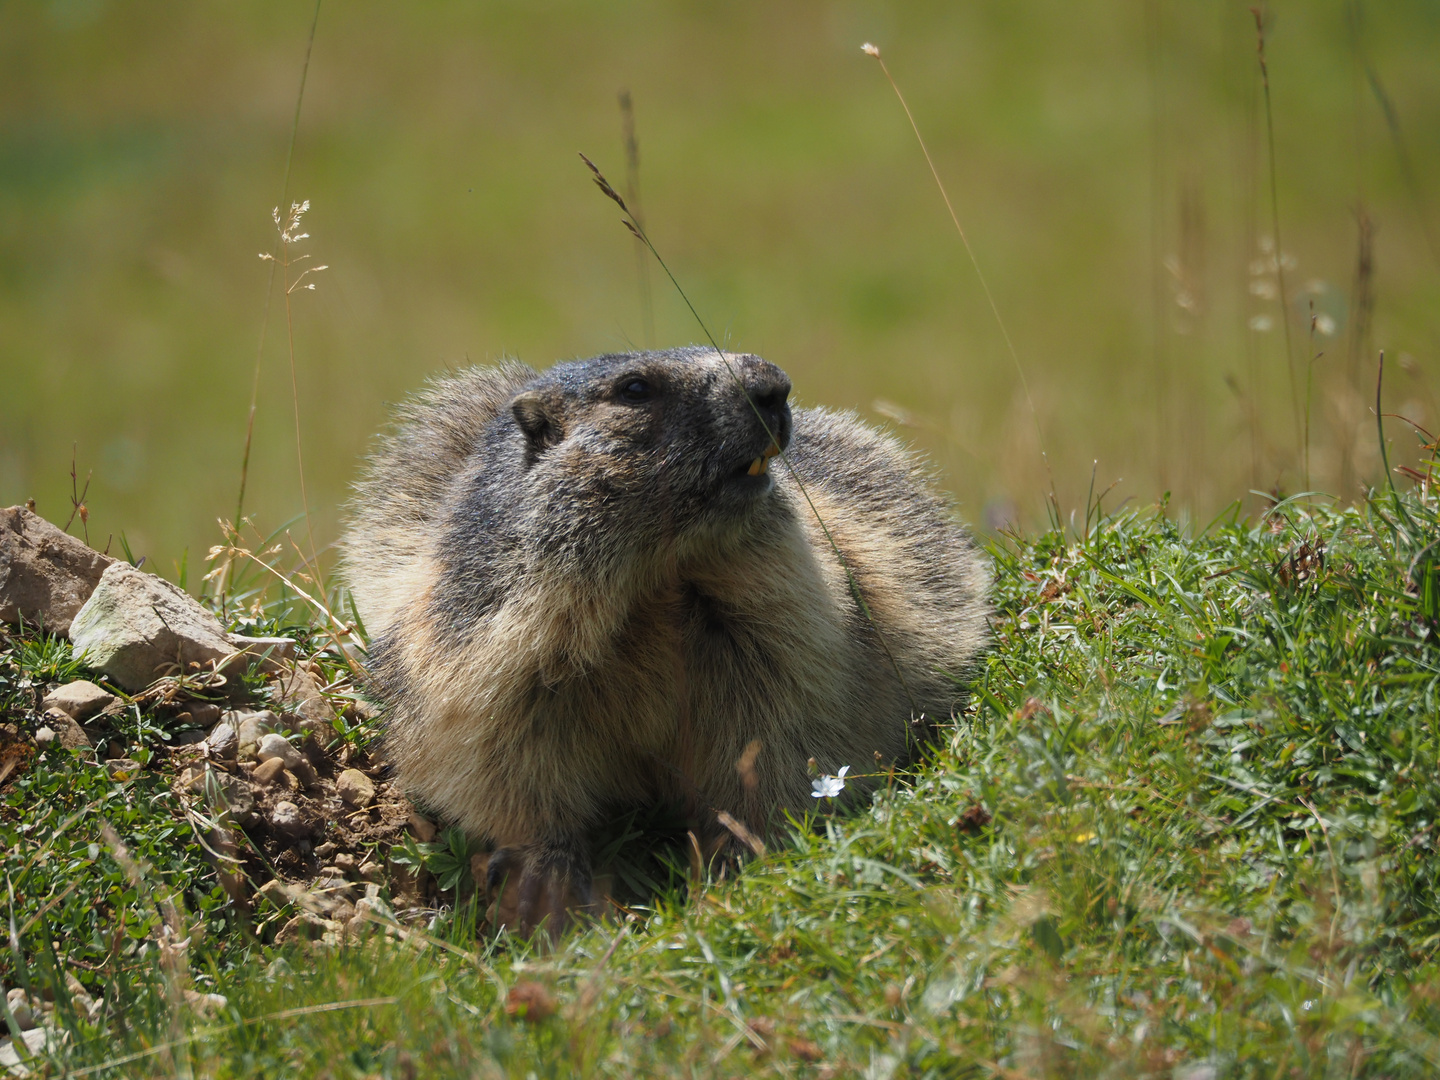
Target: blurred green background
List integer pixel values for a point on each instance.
(1108, 161)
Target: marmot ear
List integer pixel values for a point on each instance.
(539, 419)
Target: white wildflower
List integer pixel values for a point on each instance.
(827, 787)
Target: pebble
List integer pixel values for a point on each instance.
(80, 699)
(269, 772)
(250, 728)
(123, 768)
(355, 788)
(277, 746)
(44, 736)
(35, 1042)
(286, 817)
(20, 1008)
(423, 828)
(222, 743)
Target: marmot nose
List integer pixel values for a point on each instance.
(768, 387)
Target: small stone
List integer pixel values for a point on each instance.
(307, 927)
(206, 1005)
(80, 699)
(45, 575)
(287, 818)
(276, 892)
(122, 769)
(372, 872)
(344, 862)
(205, 713)
(81, 997)
(44, 736)
(71, 735)
(355, 788)
(250, 728)
(20, 1008)
(423, 828)
(325, 850)
(226, 794)
(36, 1039)
(275, 746)
(269, 652)
(268, 772)
(222, 743)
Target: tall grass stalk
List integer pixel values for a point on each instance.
(232, 536)
(1275, 219)
(870, 49)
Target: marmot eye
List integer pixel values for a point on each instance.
(634, 391)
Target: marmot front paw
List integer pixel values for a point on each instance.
(539, 885)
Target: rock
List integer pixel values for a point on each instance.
(20, 1008)
(205, 1005)
(81, 998)
(250, 728)
(204, 713)
(137, 627)
(298, 691)
(345, 863)
(44, 736)
(309, 927)
(229, 795)
(277, 746)
(122, 769)
(80, 699)
(71, 735)
(423, 828)
(355, 788)
(45, 575)
(287, 818)
(268, 772)
(274, 747)
(222, 743)
(276, 892)
(36, 1040)
(325, 850)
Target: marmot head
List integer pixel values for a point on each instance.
(636, 453)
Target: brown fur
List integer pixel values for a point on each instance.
(578, 602)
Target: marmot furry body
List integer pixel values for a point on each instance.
(586, 590)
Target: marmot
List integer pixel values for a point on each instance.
(587, 589)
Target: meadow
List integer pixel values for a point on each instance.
(1186, 826)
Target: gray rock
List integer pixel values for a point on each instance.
(137, 627)
(36, 1039)
(80, 699)
(277, 746)
(229, 795)
(203, 713)
(222, 743)
(20, 1008)
(250, 728)
(288, 819)
(123, 768)
(44, 736)
(71, 735)
(355, 788)
(45, 575)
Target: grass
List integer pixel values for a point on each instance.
(1186, 828)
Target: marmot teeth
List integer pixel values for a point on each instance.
(760, 466)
